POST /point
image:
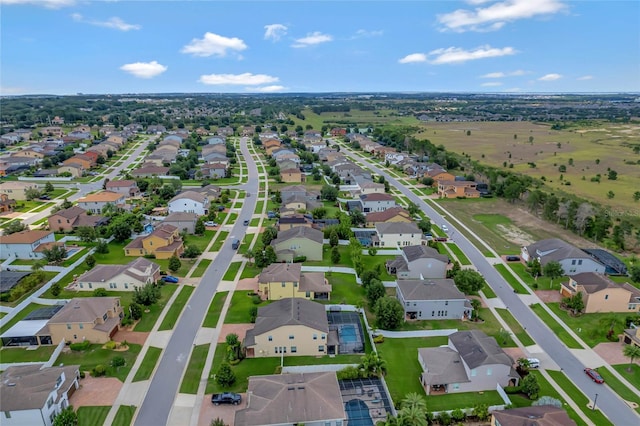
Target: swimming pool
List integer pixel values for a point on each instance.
(357, 413)
(348, 333)
(72, 251)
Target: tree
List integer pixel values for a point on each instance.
(389, 313)
(225, 376)
(48, 188)
(319, 213)
(146, 295)
(412, 416)
(234, 347)
(32, 193)
(468, 281)
(633, 352)
(14, 226)
(333, 238)
(612, 175)
(218, 422)
(413, 208)
(553, 270)
(269, 235)
(530, 386)
(634, 273)
(329, 193)
(636, 196)
(55, 254)
(424, 225)
(375, 290)
(174, 263)
(357, 217)
(90, 260)
(55, 289)
(575, 303)
(503, 336)
(120, 230)
(335, 255)
(367, 276)
(373, 365)
(118, 361)
(534, 268)
(66, 417)
(547, 400)
(372, 251)
(191, 252)
(86, 234)
(135, 310)
(102, 247)
(481, 411)
(199, 228)
(475, 305)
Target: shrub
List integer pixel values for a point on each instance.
(110, 345)
(256, 299)
(100, 292)
(444, 418)
(347, 373)
(378, 339)
(225, 376)
(253, 313)
(299, 259)
(99, 370)
(82, 346)
(55, 289)
(458, 415)
(82, 375)
(118, 362)
(512, 389)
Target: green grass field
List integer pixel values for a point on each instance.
(462, 400)
(632, 377)
(171, 318)
(238, 312)
(191, 378)
(215, 308)
(513, 282)
(148, 364)
(345, 289)
(92, 416)
(202, 266)
(591, 328)
(149, 319)
(21, 354)
(124, 416)
(231, 273)
(96, 355)
(560, 332)
(515, 326)
(462, 258)
(222, 237)
(247, 367)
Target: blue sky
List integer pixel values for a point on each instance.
(70, 46)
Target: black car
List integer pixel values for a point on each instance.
(512, 258)
(226, 398)
(45, 197)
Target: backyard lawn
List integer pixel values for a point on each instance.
(559, 331)
(199, 241)
(345, 289)
(591, 328)
(91, 416)
(191, 378)
(171, 318)
(10, 355)
(403, 369)
(148, 364)
(96, 355)
(215, 308)
(452, 401)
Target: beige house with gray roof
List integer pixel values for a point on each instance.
(291, 327)
(34, 394)
(136, 273)
(432, 299)
(298, 241)
(95, 319)
(282, 280)
(312, 399)
(600, 294)
(397, 235)
(418, 262)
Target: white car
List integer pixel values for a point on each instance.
(210, 224)
(445, 228)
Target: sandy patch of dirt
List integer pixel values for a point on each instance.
(137, 337)
(248, 284)
(515, 235)
(239, 329)
(96, 391)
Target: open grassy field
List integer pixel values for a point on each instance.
(493, 143)
(373, 117)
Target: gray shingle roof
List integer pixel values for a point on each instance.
(433, 289)
(555, 249)
(423, 252)
(476, 349)
(442, 366)
(28, 387)
(83, 309)
(299, 232)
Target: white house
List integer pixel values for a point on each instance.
(33, 395)
(25, 244)
(397, 235)
(572, 259)
(190, 202)
(136, 273)
(376, 202)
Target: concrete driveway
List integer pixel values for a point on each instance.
(96, 391)
(227, 413)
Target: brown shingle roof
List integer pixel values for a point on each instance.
(387, 214)
(277, 272)
(101, 197)
(24, 237)
(541, 415)
(28, 387)
(120, 183)
(84, 309)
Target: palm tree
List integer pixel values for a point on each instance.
(503, 336)
(412, 416)
(413, 399)
(37, 265)
(373, 365)
(632, 351)
(249, 255)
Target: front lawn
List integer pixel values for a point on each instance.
(403, 369)
(632, 377)
(148, 364)
(542, 283)
(199, 241)
(250, 270)
(124, 416)
(96, 355)
(9, 355)
(246, 368)
(559, 331)
(191, 379)
(488, 292)
(241, 302)
(591, 328)
(171, 318)
(91, 416)
(231, 273)
(515, 326)
(215, 308)
(149, 319)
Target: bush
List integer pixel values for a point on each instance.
(110, 345)
(512, 389)
(100, 292)
(378, 339)
(458, 415)
(99, 370)
(444, 418)
(350, 372)
(253, 313)
(118, 362)
(82, 375)
(55, 289)
(256, 299)
(299, 259)
(82, 346)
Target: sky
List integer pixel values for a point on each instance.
(497, 46)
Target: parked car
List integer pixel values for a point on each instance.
(271, 215)
(226, 398)
(170, 279)
(512, 258)
(594, 375)
(45, 197)
(246, 222)
(445, 228)
(209, 223)
(533, 362)
(220, 208)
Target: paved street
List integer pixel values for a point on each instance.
(157, 404)
(608, 402)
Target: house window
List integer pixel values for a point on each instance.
(75, 337)
(573, 262)
(580, 262)
(294, 349)
(90, 285)
(315, 337)
(456, 386)
(324, 337)
(7, 414)
(474, 373)
(271, 338)
(307, 294)
(277, 350)
(489, 372)
(80, 326)
(433, 313)
(606, 297)
(320, 348)
(104, 317)
(126, 285)
(68, 326)
(283, 284)
(291, 337)
(295, 284)
(446, 303)
(81, 286)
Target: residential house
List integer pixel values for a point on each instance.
(150, 170)
(311, 399)
(336, 131)
(217, 140)
(136, 273)
(572, 259)
(432, 299)
(270, 145)
(53, 131)
(437, 173)
(225, 131)
(632, 336)
(471, 362)
(457, 189)
(283, 280)
(286, 164)
(296, 204)
(69, 219)
(214, 170)
(295, 220)
(163, 243)
(75, 170)
(600, 294)
(184, 221)
(93, 319)
(29, 153)
(156, 129)
(299, 190)
(6, 204)
(393, 214)
(35, 394)
(397, 235)
(369, 187)
(95, 203)
(290, 327)
(376, 202)
(25, 244)
(539, 415)
(190, 202)
(394, 157)
(17, 190)
(418, 263)
(292, 175)
(297, 242)
(117, 138)
(128, 188)
(85, 161)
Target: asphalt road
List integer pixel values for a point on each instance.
(159, 400)
(608, 402)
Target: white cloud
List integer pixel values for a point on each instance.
(368, 33)
(49, 4)
(213, 45)
(585, 77)
(113, 23)
(550, 77)
(413, 58)
(268, 89)
(491, 84)
(312, 39)
(246, 79)
(274, 31)
(496, 15)
(6, 90)
(144, 69)
(501, 74)
(453, 55)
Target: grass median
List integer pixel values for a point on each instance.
(124, 416)
(559, 331)
(191, 379)
(202, 266)
(231, 273)
(215, 308)
(596, 416)
(171, 318)
(148, 364)
(462, 258)
(515, 326)
(513, 281)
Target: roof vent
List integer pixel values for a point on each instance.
(291, 388)
(301, 387)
